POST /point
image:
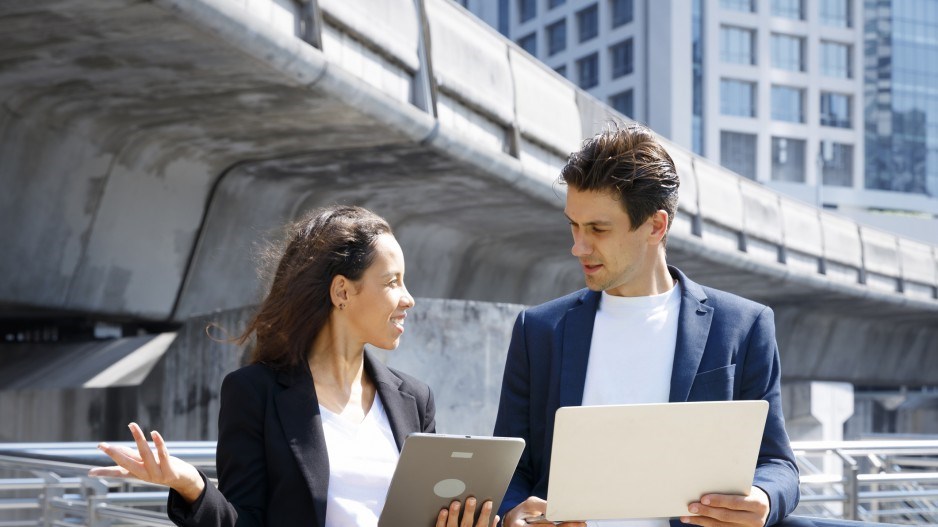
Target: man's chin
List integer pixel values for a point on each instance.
(593, 285)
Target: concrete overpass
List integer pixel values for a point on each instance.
(147, 147)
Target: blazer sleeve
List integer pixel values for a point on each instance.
(776, 470)
(514, 414)
(428, 423)
(241, 498)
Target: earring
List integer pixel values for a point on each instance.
(341, 306)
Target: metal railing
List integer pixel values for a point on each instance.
(892, 481)
(47, 484)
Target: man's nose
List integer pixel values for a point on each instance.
(580, 247)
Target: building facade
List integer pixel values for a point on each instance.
(832, 101)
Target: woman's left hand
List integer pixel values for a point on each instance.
(450, 517)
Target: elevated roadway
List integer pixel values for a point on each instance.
(146, 149)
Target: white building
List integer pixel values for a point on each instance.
(780, 91)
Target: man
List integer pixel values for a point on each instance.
(642, 332)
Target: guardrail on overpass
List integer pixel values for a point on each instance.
(57, 489)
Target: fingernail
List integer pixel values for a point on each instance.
(685, 519)
(706, 500)
(693, 508)
(103, 446)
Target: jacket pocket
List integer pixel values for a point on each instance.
(713, 385)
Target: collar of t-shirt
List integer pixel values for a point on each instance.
(632, 349)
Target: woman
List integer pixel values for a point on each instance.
(309, 433)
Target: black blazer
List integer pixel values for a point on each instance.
(273, 468)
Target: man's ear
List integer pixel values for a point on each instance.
(659, 226)
(339, 291)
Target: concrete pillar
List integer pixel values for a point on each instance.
(817, 411)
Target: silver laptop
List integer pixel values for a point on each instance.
(650, 460)
(435, 469)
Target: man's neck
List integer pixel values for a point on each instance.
(657, 281)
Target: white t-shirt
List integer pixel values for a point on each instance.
(362, 458)
(631, 358)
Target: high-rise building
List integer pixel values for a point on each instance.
(832, 101)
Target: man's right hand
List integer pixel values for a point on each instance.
(532, 508)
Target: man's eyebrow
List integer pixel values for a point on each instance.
(589, 223)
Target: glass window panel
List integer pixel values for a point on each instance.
(562, 70)
(621, 56)
(738, 153)
(557, 37)
(837, 164)
(588, 22)
(623, 102)
(622, 12)
(835, 110)
(737, 45)
(836, 13)
(788, 52)
(793, 9)
(588, 71)
(788, 159)
(527, 9)
(737, 98)
(746, 6)
(787, 104)
(529, 43)
(554, 3)
(835, 60)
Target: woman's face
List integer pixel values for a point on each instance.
(379, 300)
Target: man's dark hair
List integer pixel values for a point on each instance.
(629, 162)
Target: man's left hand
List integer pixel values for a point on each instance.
(723, 510)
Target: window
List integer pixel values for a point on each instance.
(623, 102)
(587, 21)
(557, 37)
(503, 9)
(793, 9)
(621, 57)
(554, 3)
(788, 104)
(738, 153)
(788, 52)
(588, 71)
(835, 13)
(746, 6)
(788, 159)
(835, 60)
(835, 110)
(527, 9)
(837, 164)
(529, 43)
(737, 45)
(622, 12)
(737, 98)
(562, 70)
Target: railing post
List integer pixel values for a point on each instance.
(95, 491)
(49, 491)
(851, 485)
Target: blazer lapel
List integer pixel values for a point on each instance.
(692, 331)
(298, 410)
(577, 335)
(401, 407)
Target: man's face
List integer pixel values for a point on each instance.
(614, 258)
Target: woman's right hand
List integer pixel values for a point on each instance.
(161, 469)
(449, 517)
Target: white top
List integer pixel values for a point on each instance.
(631, 358)
(362, 458)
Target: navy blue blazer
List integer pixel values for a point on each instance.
(273, 468)
(725, 350)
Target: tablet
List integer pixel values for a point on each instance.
(435, 469)
(650, 460)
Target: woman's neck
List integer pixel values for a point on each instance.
(338, 368)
